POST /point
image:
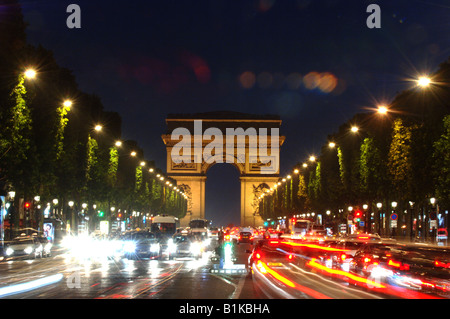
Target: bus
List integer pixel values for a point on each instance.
(165, 225)
(200, 225)
(301, 227)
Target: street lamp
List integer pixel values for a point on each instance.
(118, 143)
(354, 129)
(30, 74)
(379, 205)
(312, 158)
(67, 104)
(98, 127)
(423, 81)
(133, 153)
(382, 110)
(332, 145)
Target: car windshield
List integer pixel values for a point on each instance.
(140, 236)
(198, 223)
(22, 242)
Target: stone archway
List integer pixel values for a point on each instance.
(257, 163)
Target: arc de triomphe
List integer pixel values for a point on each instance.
(251, 143)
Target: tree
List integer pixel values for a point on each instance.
(399, 160)
(371, 170)
(441, 156)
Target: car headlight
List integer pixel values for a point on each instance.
(171, 246)
(9, 251)
(129, 247)
(195, 248)
(28, 250)
(154, 248)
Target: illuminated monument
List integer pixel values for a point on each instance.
(251, 143)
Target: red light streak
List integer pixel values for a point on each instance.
(265, 269)
(313, 246)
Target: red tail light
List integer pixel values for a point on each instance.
(274, 242)
(290, 257)
(343, 257)
(398, 265)
(438, 263)
(258, 256)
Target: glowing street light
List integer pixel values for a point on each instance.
(312, 158)
(382, 110)
(98, 127)
(424, 81)
(296, 171)
(67, 104)
(142, 163)
(332, 145)
(354, 129)
(118, 143)
(133, 153)
(30, 74)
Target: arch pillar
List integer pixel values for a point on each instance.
(251, 188)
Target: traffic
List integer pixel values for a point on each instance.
(301, 261)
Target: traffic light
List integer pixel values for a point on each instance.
(358, 215)
(101, 214)
(27, 205)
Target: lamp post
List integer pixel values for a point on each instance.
(394, 219)
(55, 203)
(366, 219)
(433, 219)
(72, 217)
(379, 206)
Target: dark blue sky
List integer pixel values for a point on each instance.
(146, 59)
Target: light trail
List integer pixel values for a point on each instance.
(31, 285)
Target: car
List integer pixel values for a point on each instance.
(187, 246)
(351, 244)
(141, 244)
(24, 247)
(245, 237)
(271, 233)
(46, 246)
(214, 233)
(372, 256)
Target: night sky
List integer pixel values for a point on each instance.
(146, 59)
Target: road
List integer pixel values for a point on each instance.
(181, 278)
(284, 277)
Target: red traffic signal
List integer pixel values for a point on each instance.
(26, 205)
(358, 214)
